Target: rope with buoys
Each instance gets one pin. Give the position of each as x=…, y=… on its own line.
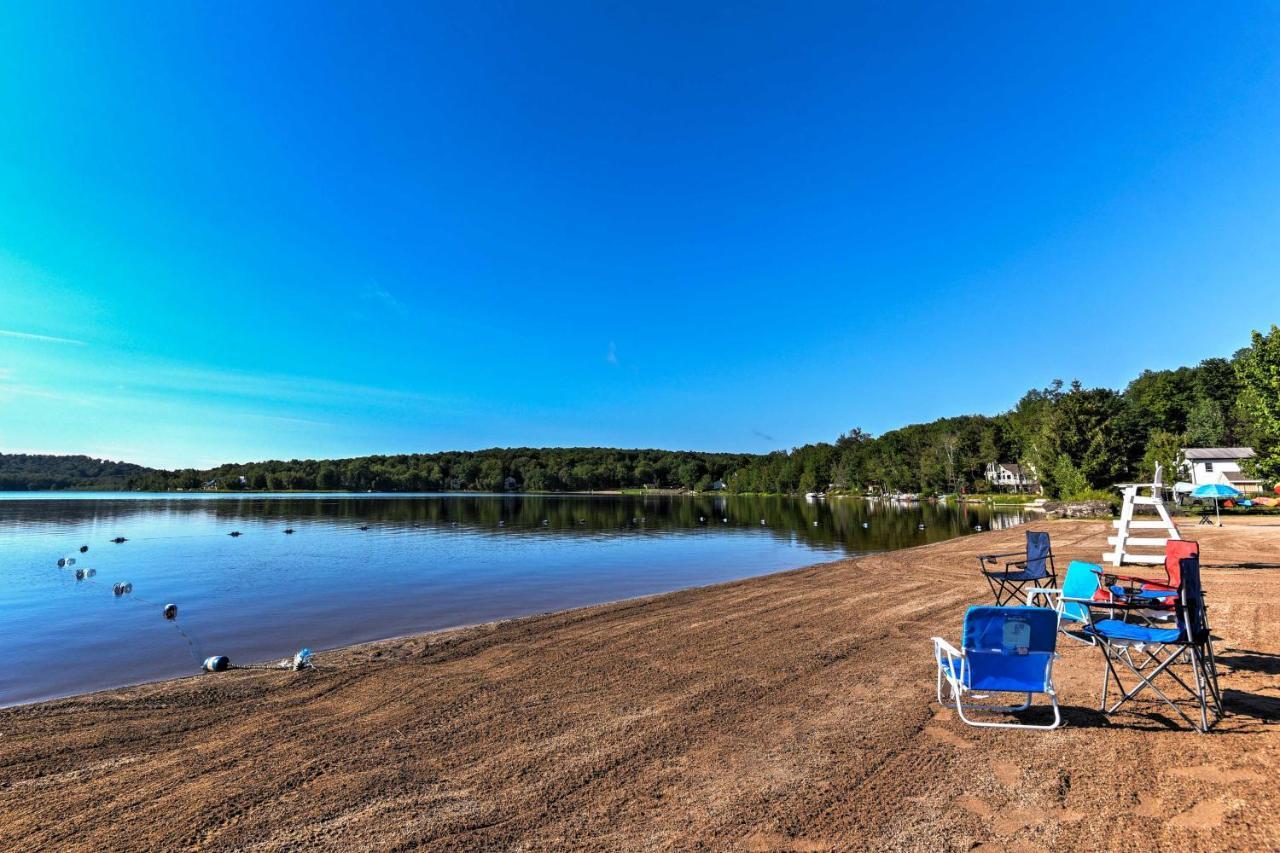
x=212, y=663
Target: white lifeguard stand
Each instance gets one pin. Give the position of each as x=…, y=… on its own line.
x=1123, y=541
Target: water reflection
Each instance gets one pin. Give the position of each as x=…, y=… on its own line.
x=851, y=525
x=364, y=567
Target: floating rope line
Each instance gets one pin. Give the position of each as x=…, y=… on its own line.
x=215, y=663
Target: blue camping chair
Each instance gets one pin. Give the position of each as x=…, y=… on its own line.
x=1035, y=565
x=1081, y=583
x=1146, y=651
x=1002, y=650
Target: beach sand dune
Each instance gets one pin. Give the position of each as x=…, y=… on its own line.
x=788, y=712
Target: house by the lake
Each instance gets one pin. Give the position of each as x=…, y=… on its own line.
x=1202, y=465
x=1012, y=477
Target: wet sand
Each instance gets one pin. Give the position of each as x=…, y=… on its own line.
x=793, y=711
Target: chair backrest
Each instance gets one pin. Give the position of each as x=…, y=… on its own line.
x=1082, y=581
x=1175, y=551
x=1038, y=551
x=1010, y=648
x=1192, y=620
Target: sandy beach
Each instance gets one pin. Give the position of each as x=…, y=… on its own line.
x=787, y=712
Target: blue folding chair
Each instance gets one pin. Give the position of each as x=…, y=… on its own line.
x=1146, y=651
x=1035, y=565
x=1002, y=650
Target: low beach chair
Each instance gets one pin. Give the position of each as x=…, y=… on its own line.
x=1082, y=582
x=1145, y=651
x=1033, y=566
x=1002, y=650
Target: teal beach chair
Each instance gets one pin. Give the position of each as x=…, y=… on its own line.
x=1002, y=650
x=1082, y=582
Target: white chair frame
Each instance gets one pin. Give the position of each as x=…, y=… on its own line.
x=944, y=651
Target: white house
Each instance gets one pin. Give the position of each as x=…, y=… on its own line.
x=1201, y=465
x=1012, y=477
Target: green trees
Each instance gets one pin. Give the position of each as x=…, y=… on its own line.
x=1258, y=369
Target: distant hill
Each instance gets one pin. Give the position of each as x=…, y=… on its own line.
x=29, y=472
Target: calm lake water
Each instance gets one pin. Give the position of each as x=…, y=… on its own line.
x=424, y=562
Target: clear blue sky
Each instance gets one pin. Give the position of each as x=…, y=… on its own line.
x=234, y=231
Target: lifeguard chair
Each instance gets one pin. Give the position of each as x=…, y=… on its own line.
x=1124, y=542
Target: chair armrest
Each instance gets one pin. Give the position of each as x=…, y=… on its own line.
x=1108, y=605
x=941, y=646
x=1133, y=578
x=993, y=557
x=1036, y=592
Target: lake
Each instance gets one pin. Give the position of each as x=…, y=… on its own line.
x=368, y=567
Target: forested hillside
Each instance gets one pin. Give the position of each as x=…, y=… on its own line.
x=1075, y=438
x=23, y=472
x=499, y=469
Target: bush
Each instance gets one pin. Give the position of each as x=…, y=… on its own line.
x=1087, y=494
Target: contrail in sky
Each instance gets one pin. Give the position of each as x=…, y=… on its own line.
x=29, y=336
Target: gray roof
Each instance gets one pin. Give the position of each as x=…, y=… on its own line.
x=1218, y=452
x=1239, y=477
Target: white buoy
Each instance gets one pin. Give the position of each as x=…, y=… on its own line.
x=216, y=663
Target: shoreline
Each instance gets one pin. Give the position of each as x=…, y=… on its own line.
x=792, y=710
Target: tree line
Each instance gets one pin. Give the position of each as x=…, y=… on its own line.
x=568, y=469
x=1076, y=439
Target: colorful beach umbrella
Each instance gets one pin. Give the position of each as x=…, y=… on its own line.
x=1217, y=491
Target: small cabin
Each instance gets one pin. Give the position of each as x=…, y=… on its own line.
x=1204, y=465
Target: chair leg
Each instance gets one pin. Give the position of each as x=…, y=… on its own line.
x=994, y=589
x=1201, y=689
x=1107, y=672
x=1212, y=676
x=1148, y=681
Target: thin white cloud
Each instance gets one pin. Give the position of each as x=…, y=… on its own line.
x=612, y=355
x=14, y=390
x=374, y=292
x=48, y=339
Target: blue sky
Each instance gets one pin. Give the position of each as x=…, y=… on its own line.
x=234, y=231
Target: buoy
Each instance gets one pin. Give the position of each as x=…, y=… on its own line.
x=84, y=548
x=171, y=612
x=122, y=588
x=216, y=663
x=119, y=539
x=81, y=574
x=62, y=562
x=288, y=530
x=234, y=533
x=364, y=527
